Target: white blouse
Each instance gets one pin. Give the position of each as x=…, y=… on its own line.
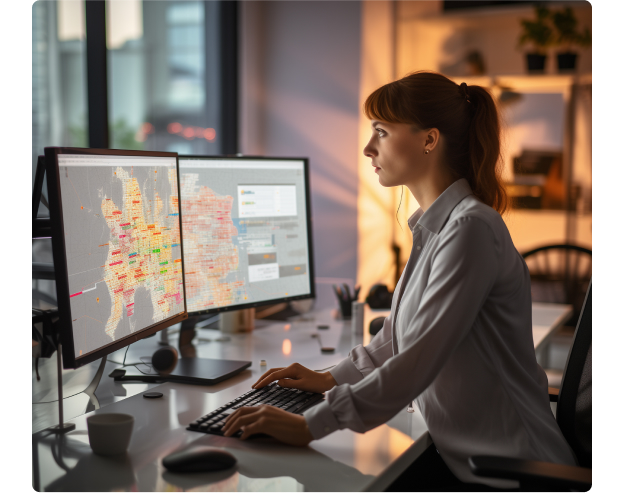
x=459, y=342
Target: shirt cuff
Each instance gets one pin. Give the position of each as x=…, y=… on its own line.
x=321, y=420
x=346, y=372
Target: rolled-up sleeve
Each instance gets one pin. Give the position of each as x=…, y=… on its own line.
x=463, y=271
x=363, y=360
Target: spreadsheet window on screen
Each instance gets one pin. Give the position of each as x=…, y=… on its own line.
x=244, y=230
x=122, y=245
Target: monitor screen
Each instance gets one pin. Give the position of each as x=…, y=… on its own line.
x=117, y=254
x=247, y=233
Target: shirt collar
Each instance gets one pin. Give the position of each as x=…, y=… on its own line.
x=436, y=216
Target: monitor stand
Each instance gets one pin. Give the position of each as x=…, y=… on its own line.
x=187, y=334
x=198, y=371
x=190, y=368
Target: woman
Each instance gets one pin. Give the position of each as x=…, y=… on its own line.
x=458, y=340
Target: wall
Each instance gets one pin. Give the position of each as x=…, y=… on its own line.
x=440, y=41
x=300, y=73
x=433, y=40
x=377, y=226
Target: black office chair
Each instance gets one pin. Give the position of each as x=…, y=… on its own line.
x=574, y=416
x=560, y=274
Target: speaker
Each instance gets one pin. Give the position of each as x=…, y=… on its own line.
x=379, y=297
x=164, y=360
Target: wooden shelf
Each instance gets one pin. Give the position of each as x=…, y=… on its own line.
x=528, y=83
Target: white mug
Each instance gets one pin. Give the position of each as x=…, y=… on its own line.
x=110, y=433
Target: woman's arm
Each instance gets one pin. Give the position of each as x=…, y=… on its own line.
x=463, y=272
x=363, y=360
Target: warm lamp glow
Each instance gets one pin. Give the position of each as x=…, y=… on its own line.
x=286, y=347
x=287, y=327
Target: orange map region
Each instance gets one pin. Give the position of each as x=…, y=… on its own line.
x=209, y=254
x=137, y=257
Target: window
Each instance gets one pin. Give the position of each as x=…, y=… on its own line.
x=163, y=85
x=164, y=79
x=59, y=110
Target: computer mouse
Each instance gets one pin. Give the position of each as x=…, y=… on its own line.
x=199, y=459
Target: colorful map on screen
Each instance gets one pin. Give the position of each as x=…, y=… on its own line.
x=122, y=247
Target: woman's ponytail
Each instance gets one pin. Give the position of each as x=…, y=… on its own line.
x=484, y=173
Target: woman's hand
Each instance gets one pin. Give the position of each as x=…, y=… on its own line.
x=299, y=377
x=286, y=427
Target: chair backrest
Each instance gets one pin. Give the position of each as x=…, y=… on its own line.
x=560, y=274
x=574, y=408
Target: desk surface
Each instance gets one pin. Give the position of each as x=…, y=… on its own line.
x=348, y=461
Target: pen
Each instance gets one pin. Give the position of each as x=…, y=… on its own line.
x=338, y=292
x=347, y=292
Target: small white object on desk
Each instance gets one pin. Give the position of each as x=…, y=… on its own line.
x=357, y=318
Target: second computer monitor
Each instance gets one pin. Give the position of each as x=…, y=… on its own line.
x=246, y=232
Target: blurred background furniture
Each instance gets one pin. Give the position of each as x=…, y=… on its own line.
x=559, y=274
x=574, y=417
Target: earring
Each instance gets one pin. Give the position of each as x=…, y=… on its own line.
x=426, y=151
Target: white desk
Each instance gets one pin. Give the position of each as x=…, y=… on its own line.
x=342, y=461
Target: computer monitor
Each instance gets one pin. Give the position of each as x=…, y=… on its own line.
x=247, y=232
x=116, y=243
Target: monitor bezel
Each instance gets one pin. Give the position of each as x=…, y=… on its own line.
x=65, y=328
x=306, y=174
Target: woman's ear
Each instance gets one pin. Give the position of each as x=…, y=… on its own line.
x=432, y=139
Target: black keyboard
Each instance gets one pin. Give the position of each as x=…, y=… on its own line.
x=291, y=400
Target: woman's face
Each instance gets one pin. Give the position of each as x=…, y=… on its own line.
x=396, y=150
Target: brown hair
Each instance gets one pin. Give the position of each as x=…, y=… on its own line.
x=466, y=116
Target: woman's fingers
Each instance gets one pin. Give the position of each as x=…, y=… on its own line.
x=286, y=427
x=241, y=412
x=237, y=422
x=289, y=372
x=291, y=383
x=266, y=374
x=255, y=427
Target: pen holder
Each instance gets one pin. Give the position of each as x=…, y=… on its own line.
x=345, y=300
x=345, y=308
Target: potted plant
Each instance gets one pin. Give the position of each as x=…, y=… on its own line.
x=539, y=34
x=567, y=36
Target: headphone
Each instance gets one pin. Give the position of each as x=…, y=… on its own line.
x=164, y=360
